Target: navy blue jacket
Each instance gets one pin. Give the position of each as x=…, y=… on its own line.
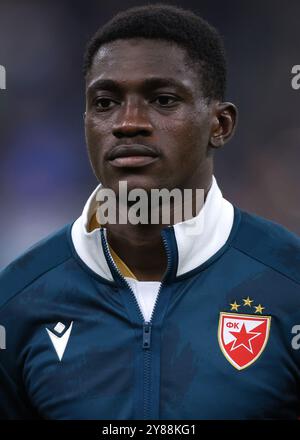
x=221, y=342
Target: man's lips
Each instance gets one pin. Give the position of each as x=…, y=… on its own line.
x=132, y=155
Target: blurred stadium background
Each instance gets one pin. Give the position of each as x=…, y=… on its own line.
x=45, y=176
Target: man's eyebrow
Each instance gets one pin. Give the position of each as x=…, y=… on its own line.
x=146, y=84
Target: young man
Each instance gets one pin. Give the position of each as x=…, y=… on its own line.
x=148, y=321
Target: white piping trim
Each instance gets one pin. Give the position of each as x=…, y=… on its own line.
x=213, y=225
x=88, y=245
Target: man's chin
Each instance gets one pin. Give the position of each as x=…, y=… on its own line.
x=134, y=182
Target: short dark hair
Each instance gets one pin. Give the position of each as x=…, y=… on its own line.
x=202, y=41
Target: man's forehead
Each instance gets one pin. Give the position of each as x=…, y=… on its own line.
x=142, y=84
x=140, y=60
x=146, y=49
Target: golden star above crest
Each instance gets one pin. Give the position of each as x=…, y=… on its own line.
x=248, y=301
x=235, y=306
x=259, y=308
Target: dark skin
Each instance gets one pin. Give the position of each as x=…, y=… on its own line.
x=174, y=118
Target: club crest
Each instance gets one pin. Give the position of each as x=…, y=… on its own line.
x=243, y=337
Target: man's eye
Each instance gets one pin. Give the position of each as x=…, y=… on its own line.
x=165, y=100
x=104, y=103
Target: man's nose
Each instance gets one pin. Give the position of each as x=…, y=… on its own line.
x=132, y=120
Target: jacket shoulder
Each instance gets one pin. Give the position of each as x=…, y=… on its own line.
x=270, y=243
x=34, y=262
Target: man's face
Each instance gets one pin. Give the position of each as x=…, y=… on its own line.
x=147, y=121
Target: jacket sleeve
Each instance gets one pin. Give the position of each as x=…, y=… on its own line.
x=12, y=405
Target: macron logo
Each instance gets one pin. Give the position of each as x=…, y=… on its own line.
x=60, y=342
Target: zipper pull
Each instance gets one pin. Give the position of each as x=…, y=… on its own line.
x=146, y=334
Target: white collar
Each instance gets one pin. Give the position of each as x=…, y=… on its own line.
x=214, y=222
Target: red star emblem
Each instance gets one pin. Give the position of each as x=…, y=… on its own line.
x=244, y=338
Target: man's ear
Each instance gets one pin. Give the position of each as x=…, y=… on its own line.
x=84, y=116
x=225, y=117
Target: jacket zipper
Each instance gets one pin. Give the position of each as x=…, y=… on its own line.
x=147, y=325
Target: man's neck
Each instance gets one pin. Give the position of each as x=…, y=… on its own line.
x=141, y=247
x=142, y=250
